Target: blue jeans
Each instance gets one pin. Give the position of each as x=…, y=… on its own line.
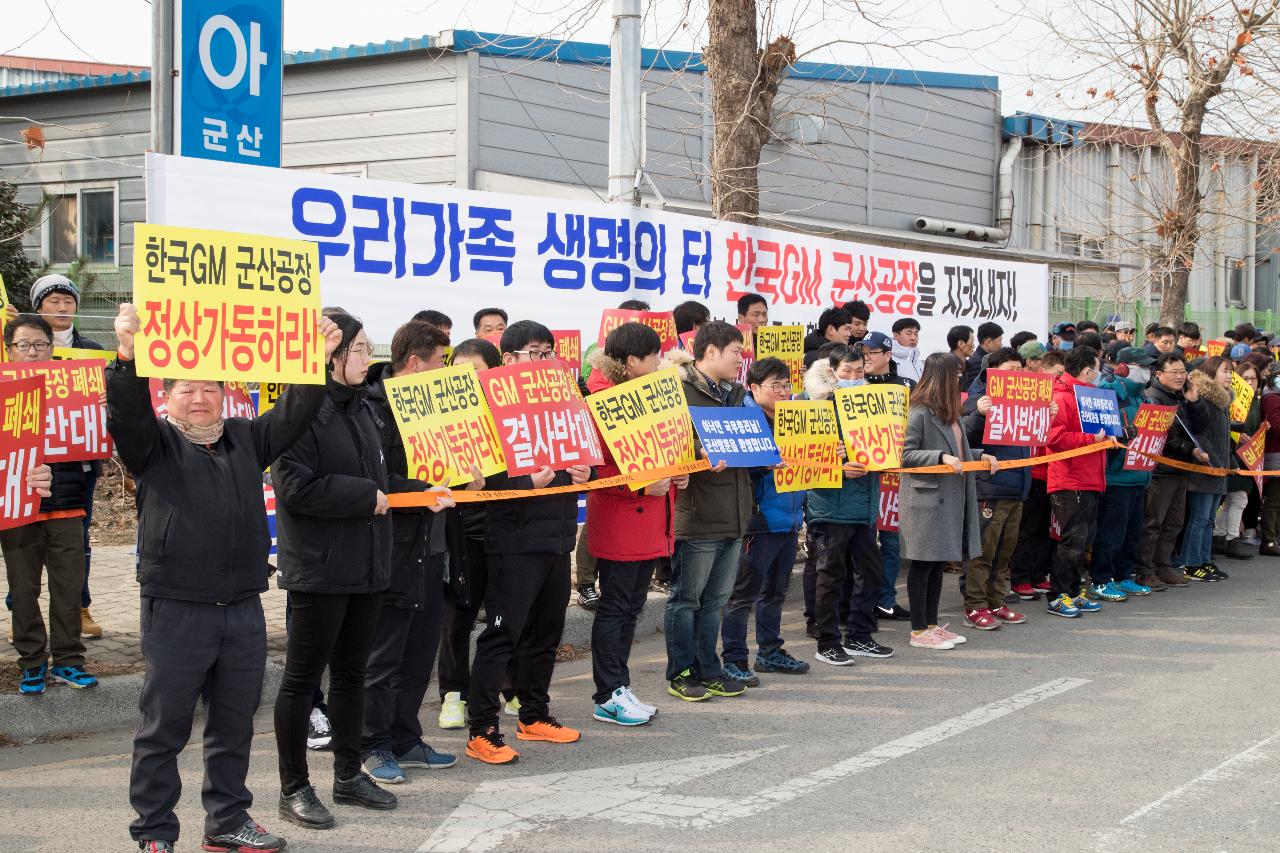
x=763, y=572
x=890, y=559
x=702, y=577
x=1197, y=537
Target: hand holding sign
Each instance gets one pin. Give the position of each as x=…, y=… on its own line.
x=40, y=480
x=126, y=328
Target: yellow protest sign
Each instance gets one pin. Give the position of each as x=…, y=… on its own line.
x=79, y=354
x=874, y=421
x=221, y=305
x=786, y=343
x=809, y=442
x=1243, y=398
x=645, y=422
x=446, y=425
x=268, y=393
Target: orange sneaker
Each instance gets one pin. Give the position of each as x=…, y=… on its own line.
x=549, y=730
x=490, y=748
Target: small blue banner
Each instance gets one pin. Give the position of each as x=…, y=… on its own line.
x=740, y=437
x=1099, y=411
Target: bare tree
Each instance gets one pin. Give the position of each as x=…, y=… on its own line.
x=1187, y=70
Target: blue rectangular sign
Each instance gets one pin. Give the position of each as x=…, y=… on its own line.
x=1099, y=411
x=230, y=59
x=741, y=437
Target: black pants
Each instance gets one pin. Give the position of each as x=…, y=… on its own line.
x=460, y=620
x=399, y=669
x=525, y=605
x=623, y=589
x=849, y=577
x=924, y=591
x=1121, y=515
x=1035, y=547
x=809, y=580
x=196, y=650
x=1077, y=514
x=326, y=630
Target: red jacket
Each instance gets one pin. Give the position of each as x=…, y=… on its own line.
x=1087, y=473
x=626, y=525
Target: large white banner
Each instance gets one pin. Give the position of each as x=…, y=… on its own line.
x=388, y=250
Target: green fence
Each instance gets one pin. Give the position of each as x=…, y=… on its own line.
x=1102, y=311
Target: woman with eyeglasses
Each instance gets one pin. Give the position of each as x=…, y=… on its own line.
x=334, y=556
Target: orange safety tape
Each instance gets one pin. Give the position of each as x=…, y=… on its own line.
x=401, y=500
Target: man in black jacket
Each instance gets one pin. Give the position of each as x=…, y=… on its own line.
x=528, y=543
x=202, y=564
x=408, y=635
x=990, y=338
x=1167, y=494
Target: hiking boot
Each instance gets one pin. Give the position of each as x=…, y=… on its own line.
x=982, y=619
x=361, y=791
x=588, y=598
x=73, y=676
x=1026, y=592
x=89, y=628
x=422, y=755
x=250, y=838
x=724, y=686
x=453, y=711
x=739, y=671
x=547, y=729
x=685, y=686
x=490, y=748
x=780, y=660
x=384, y=767
x=319, y=735
x=33, y=680
x=304, y=808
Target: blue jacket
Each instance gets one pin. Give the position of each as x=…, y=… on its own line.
x=775, y=513
x=1010, y=484
x=1129, y=395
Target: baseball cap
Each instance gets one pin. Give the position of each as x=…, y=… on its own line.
x=1032, y=349
x=1064, y=328
x=1239, y=351
x=877, y=341
x=1135, y=355
x=1125, y=326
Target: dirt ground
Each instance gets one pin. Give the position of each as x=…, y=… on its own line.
x=115, y=518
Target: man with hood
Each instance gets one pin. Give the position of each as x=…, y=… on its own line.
x=1121, y=511
x=906, y=349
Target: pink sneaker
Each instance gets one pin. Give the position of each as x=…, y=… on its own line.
x=982, y=619
x=930, y=639
x=950, y=636
x=1004, y=614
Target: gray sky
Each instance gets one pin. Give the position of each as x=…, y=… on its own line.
x=966, y=36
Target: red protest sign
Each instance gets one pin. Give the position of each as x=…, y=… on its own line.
x=1251, y=451
x=662, y=322
x=1019, y=415
x=237, y=402
x=541, y=418
x=888, y=518
x=1215, y=348
x=569, y=349
x=748, y=351
x=21, y=448
x=1152, y=423
x=75, y=419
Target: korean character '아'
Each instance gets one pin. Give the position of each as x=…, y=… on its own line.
x=249, y=141
x=492, y=245
x=215, y=134
x=306, y=202
x=565, y=272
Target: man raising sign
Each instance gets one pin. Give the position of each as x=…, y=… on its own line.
x=202, y=564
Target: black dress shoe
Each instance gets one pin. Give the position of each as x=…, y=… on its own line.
x=361, y=791
x=897, y=612
x=304, y=808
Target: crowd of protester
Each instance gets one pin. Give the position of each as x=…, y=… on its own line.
x=376, y=594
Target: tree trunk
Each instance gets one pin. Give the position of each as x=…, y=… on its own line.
x=1181, y=225
x=744, y=81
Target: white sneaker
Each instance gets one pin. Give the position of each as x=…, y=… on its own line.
x=930, y=640
x=648, y=710
x=319, y=734
x=949, y=636
x=453, y=712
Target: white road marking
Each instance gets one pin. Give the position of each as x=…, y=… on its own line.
x=496, y=812
x=1125, y=836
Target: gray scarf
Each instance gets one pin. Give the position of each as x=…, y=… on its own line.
x=206, y=435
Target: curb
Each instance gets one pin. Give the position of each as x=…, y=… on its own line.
x=113, y=704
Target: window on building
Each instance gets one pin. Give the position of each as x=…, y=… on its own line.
x=1060, y=290
x=1235, y=280
x=82, y=224
x=1080, y=246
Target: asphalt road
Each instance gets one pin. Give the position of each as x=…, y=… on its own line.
x=1149, y=726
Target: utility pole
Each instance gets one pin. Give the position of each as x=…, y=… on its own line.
x=624, y=103
x=162, y=63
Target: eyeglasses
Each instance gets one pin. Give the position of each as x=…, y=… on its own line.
x=28, y=346
x=1173, y=372
x=362, y=350
x=536, y=355
x=778, y=387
